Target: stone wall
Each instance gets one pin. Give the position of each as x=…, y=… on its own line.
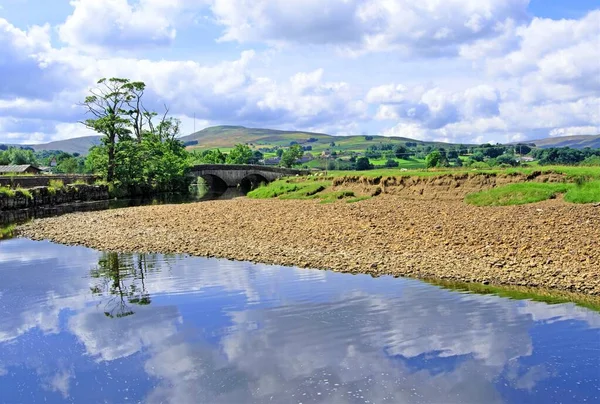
x=42, y=196
x=31, y=181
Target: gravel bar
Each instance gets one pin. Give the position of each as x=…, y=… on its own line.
x=550, y=244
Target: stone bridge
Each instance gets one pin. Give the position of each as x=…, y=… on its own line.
x=245, y=175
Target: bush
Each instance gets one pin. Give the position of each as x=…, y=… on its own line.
x=363, y=163
x=591, y=161
x=391, y=163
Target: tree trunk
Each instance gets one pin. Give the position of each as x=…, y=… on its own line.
x=110, y=172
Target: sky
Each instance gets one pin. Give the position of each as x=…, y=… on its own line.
x=467, y=71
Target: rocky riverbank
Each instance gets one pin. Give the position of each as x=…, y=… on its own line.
x=550, y=244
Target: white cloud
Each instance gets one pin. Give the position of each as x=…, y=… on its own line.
x=427, y=27
x=529, y=77
x=122, y=24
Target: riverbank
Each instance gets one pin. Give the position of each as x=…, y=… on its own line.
x=550, y=244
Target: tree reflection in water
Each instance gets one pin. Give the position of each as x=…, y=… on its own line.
x=122, y=281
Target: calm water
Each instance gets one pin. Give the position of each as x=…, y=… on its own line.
x=78, y=325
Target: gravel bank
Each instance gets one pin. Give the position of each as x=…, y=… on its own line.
x=550, y=244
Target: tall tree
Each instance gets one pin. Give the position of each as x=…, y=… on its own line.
x=109, y=105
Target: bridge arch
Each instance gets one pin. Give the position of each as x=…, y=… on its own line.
x=213, y=181
x=235, y=174
x=253, y=181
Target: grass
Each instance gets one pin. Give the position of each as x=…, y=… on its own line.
x=302, y=188
x=588, y=192
x=11, y=193
x=570, y=172
x=582, y=185
x=517, y=194
x=523, y=293
x=531, y=192
x=7, y=232
x=55, y=186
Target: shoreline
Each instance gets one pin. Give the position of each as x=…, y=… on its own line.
x=551, y=245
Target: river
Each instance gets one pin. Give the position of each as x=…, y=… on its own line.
x=80, y=325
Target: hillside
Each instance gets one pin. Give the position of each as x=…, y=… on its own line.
x=79, y=145
x=227, y=136
x=574, y=142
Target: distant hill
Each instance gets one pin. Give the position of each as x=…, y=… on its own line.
x=228, y=136
x=574, y=142
x=79, y=145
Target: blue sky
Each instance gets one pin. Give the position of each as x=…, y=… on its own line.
x=457, y=70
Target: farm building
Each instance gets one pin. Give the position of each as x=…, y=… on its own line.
x=19, y=169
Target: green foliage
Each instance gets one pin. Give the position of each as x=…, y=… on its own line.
x=137, y=156
x=507, y=159
x=517, y=194
x=11, y=193
x=391, y=163
x=8, y=191
x=363, y=163
x=588, y=192
x=591, y=161
x=290, y=155
x=7, y=232
x=435, y=159
x=240, y=154
x=17, y=156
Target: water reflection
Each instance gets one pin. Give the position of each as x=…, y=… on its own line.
x=198, y=330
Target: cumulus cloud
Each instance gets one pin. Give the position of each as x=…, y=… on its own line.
x=123, y=24
x=530, y=77
x=426, y=27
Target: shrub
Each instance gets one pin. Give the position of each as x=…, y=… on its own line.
x=391, y=163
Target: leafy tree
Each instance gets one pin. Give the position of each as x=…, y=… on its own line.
x=240, y=154
x=522, y=148
x=452, y=154
x=213, y=156
x=478, y=156
x=391, y=163
x=400, y=151
x=458, y=162
x=289, y=156
x=508, y=159
x=138, y=155
x=433, y=159
x=363, y=163
x=17, y=155
x=256, y=157
x=112, y=116
x=69, y=165
x=279, y=152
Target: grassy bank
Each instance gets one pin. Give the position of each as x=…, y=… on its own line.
x=531, y=192
x=304, y=188
x=522, y=293
x=7, y=232
x=580, y=185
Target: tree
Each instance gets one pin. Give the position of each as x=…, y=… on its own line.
x=433, y=159
x=137, y=155
x=391, y=163
x=279, y=153
x=69, y=165
x=363, y=163
x=240, y=154
x=522, y=148
x=507, y=159
x=110, y=107
x=256, y=157
x=291, y=155
x=400, y=151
